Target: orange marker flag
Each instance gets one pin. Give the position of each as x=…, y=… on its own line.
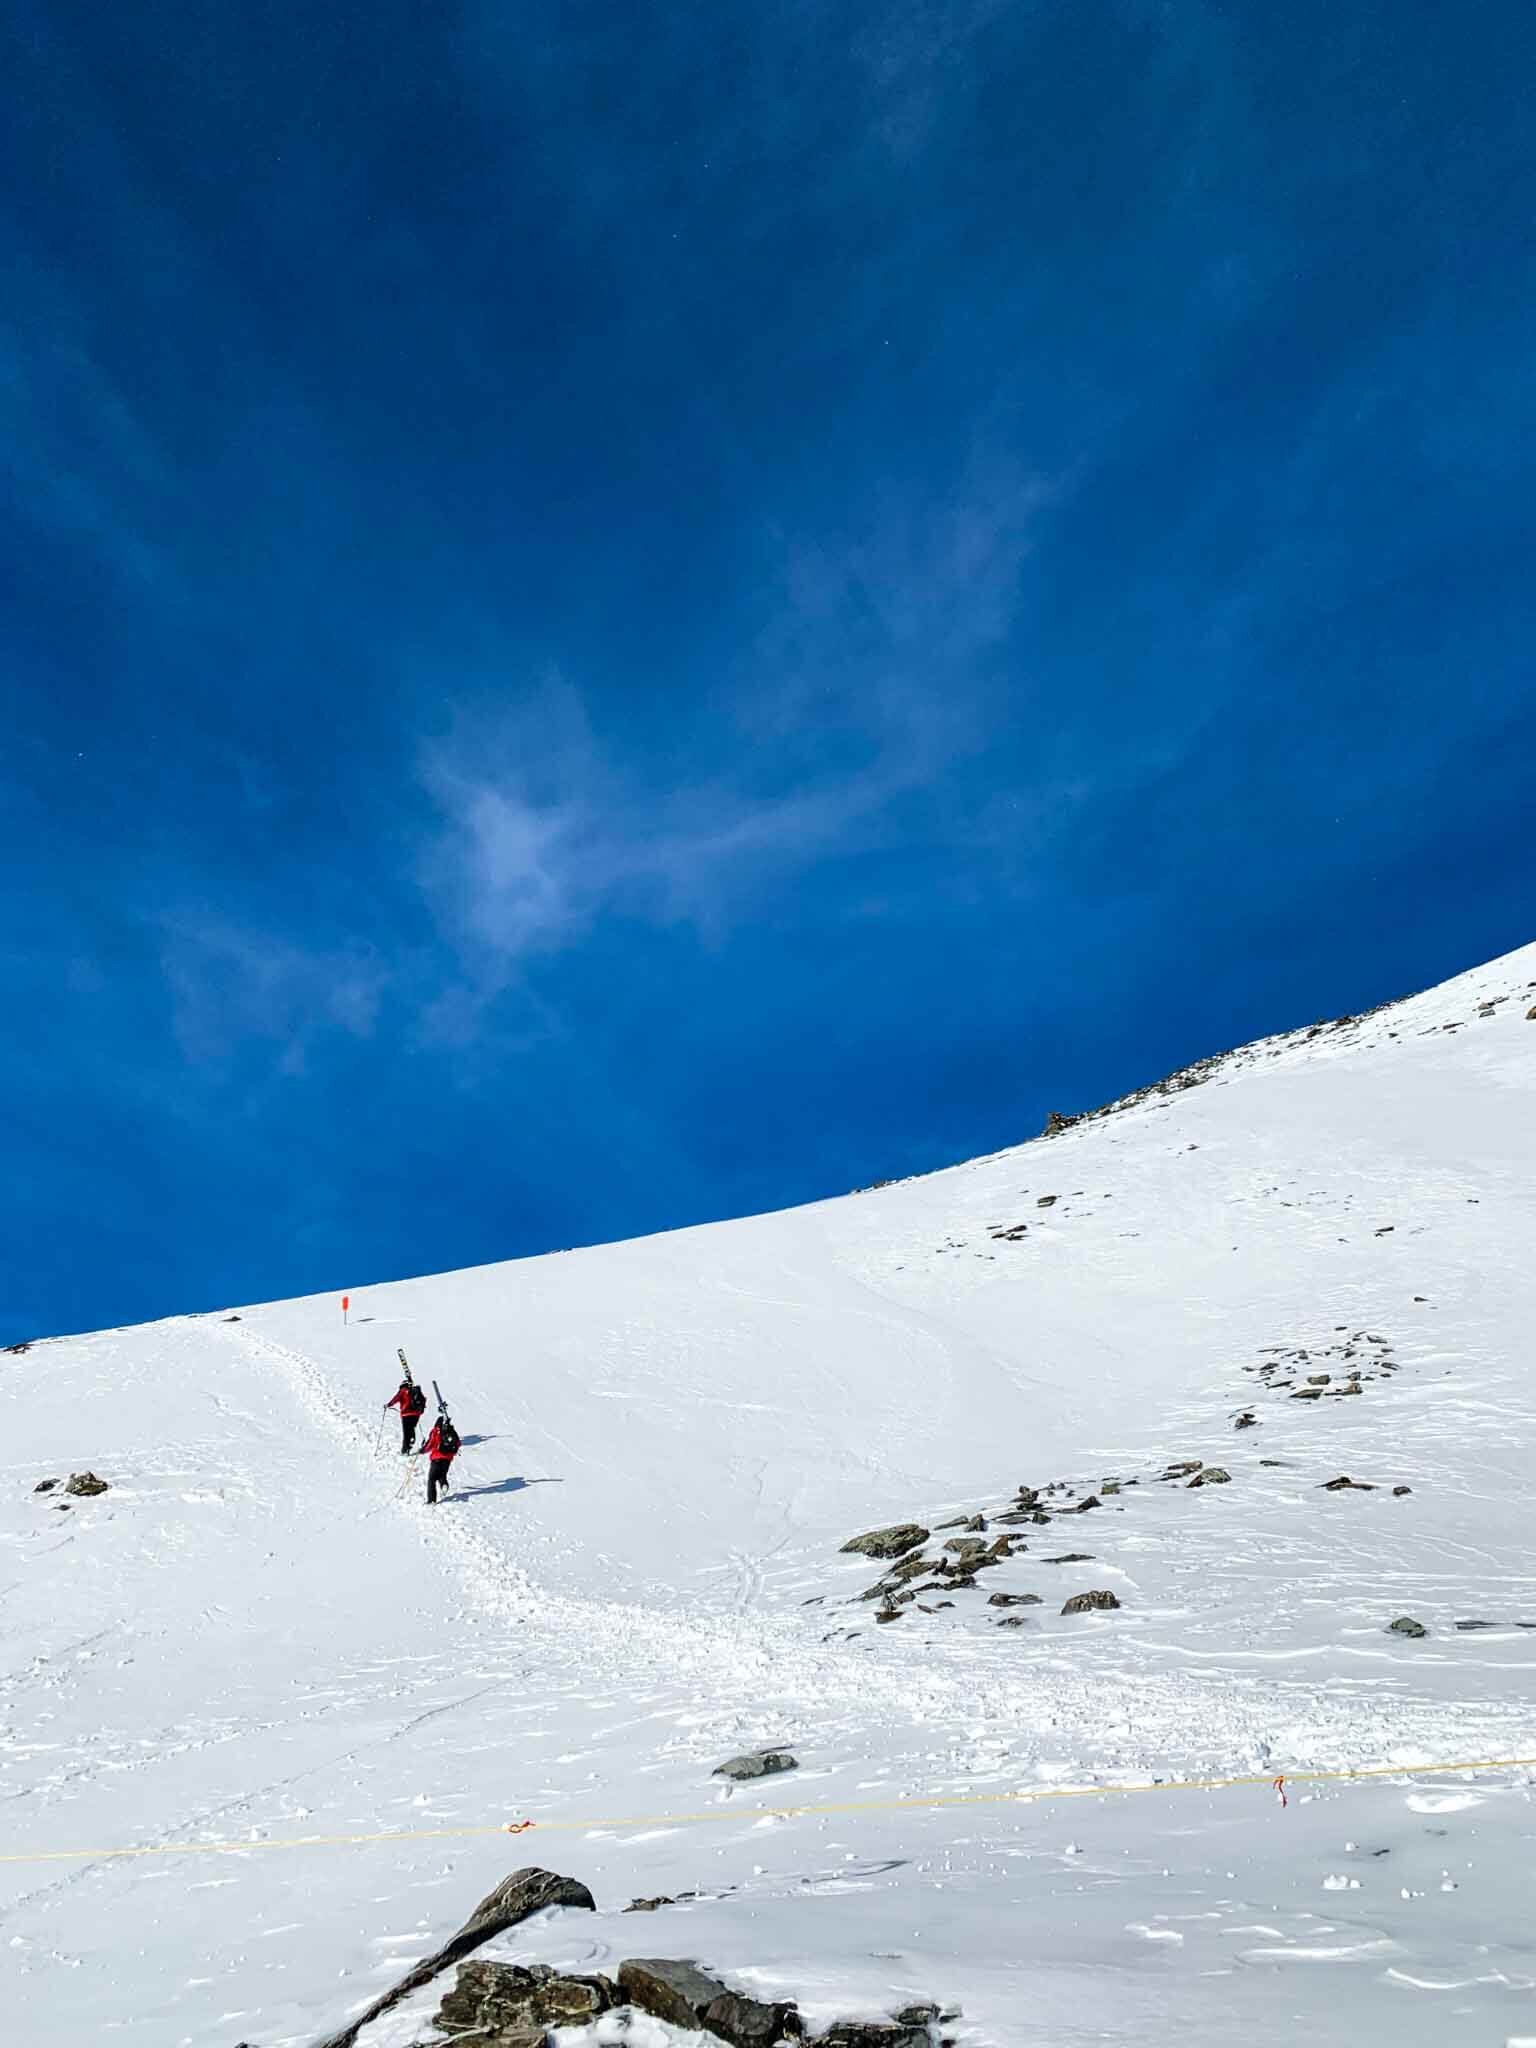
x=346, y=1303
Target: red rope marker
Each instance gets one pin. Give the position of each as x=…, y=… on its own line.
x=517, y=1827
x=1280, y=1789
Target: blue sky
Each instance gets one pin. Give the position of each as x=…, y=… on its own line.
x=616, y=615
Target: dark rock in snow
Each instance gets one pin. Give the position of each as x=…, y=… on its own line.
x=45, y=1486
x=1046, y=1201
x=1344, y=1484
x=1071, y=1557
x=1083, y=1506
x=1399, y=1491
x=1405, y=1625
x=1182, y=1469
x=1307, y=1394
x=648, y=1905
x=1090, y=1603
x=1319, y=1379
x=874, y=2034
x=893, y=1542
x=515, y=1899
x=898, y=1575
x=1467, y=1627
x=1013, y=1599
x=86, y=1484
x=686, y=1996
x=1057, y=1122
x=967, y=1546
x=503, y=2003
x=1247, y=1420
x=758, y=1763
x=1211, y=1475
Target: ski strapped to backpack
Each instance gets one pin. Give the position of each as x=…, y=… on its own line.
x=447, y=1435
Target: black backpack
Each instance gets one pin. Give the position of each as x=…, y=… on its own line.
x=447, y=1438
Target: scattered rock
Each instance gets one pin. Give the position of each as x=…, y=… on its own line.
x=1344, y=1484
x=1247, y=1420
x=976, y=1524
x=648, y=1905
x=1015, y=1516
x=1013, y=1600
x=1183, y=1469
x=898, y=1575
x=85, y=1484
x=45, y=1486
x=1530, y=1018
x=758, y=1763
x=893, y=1542
x=1307, y=1394
x=1467, y=1627
x=1046, y=1201
x=1319, y=1379
x=1405, y=1625
x=1083, y=1506
x=1057, y=1122
x=1399, y=1491
x=1386, y=1229
x=1072, y=1557
x=233, y=1319
x=890, y=1612
x=967, y=1547
x=1274, y=1461
x=1090, y=1603
x=18, y=1350
x=1211, y=1475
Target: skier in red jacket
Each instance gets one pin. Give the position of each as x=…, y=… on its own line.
x=412, y=1403
x=442, y=1447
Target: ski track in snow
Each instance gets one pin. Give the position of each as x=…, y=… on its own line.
x=250, y=1638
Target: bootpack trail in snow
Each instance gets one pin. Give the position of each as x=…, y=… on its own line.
x=1255, y=1341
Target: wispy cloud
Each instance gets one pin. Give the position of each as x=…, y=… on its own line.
x=231, y=985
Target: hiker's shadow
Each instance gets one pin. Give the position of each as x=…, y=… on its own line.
x=517, y=1485
x=470, y=1441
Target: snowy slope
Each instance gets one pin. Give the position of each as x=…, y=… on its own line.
x=250, y=1639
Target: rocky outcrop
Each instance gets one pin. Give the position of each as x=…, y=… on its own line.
x=1211, y=1475
x=682, y=1994
x=758, y=1763
x=1090, y=1603
x=893, y=1542
x=86, y=1484
x=499, y=2004
x=1405, y=1625
x=515, y=1899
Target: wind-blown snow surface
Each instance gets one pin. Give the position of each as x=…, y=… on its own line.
x=249, y=1639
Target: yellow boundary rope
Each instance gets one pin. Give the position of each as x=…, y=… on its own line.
x=1023, y=1796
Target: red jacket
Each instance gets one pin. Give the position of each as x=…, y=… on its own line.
x=410, y=1400
x=433, y=1447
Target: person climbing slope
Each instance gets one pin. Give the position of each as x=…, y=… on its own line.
x=442, y=1447
x=412, y=1403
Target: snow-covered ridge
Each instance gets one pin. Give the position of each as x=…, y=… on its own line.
x=669, y=1441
